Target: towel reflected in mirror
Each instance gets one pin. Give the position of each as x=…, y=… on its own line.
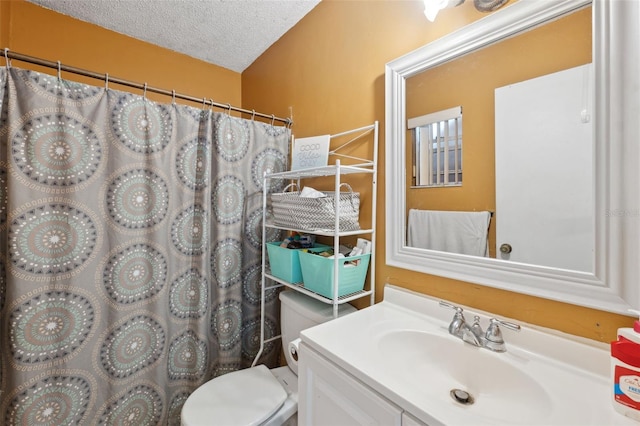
x=450, y=231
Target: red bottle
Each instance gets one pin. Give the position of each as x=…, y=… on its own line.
x=625, y=370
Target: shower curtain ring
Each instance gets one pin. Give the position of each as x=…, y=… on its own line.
x=144, y=93
x=273, y=119
x=7, y=61
x=229, y=110
x=253, y=114
x=204, y=103
x=106, y=81
x=59, y=71
x=173, y=97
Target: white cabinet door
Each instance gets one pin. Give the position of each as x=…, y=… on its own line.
x=329, y=396
x=409, y=420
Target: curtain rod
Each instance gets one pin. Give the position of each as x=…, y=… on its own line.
x=8, y=54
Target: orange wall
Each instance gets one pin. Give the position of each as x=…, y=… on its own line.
x=328, y=71
x=36, y=31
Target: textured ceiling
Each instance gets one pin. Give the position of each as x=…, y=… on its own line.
x=228, y=33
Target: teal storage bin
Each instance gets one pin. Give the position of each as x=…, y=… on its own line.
x=317, y=273
x=285, y=263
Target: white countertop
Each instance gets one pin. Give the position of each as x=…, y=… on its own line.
x=575, y=372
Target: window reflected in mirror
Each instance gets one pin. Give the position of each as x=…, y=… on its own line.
x=437, y=148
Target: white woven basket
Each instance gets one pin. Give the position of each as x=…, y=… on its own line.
x=293, y=211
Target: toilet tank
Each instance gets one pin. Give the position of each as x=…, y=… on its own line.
x=299, y=312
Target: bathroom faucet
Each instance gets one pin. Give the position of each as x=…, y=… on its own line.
x=491, y=339
x=473, y=334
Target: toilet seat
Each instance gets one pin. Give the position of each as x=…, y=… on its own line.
x=244, y=397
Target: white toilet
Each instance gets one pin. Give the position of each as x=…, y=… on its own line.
x=257, y=395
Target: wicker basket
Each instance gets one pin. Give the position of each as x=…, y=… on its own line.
x=293, y=211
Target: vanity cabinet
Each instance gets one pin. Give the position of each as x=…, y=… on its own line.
x=330, y=396
x=395, y=363
x=409, y=420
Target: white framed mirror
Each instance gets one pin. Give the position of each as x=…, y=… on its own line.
x=610, y=282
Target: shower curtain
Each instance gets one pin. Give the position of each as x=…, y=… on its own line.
x=131, y=264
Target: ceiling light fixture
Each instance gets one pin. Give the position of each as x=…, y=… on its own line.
x=432, y=7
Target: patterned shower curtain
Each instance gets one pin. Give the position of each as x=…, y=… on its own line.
x=130, y=269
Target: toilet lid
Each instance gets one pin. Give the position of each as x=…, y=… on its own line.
x=244, y=397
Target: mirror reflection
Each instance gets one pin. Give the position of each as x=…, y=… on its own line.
x=527, y=194
x=437, y=148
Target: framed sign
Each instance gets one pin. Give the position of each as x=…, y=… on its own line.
x=310, y=152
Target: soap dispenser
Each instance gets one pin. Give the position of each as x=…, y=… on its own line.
x=625, y=370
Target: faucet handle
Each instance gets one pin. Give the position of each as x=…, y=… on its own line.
x=458, y=309
x=458, y=320
x=509, y=325
x=493, y=336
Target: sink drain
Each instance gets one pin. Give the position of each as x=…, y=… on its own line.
x=462, y=397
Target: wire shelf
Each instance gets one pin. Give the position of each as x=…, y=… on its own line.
x=331, y=170
x=301, y=288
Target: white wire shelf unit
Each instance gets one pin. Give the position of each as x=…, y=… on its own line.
x=356, y=165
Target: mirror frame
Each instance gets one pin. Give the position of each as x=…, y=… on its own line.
x=613, y=285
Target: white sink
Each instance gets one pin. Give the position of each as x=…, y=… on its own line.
x=440, y=364
x=401, y=348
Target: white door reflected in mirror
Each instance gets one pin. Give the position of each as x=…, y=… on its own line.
x=544, y=170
